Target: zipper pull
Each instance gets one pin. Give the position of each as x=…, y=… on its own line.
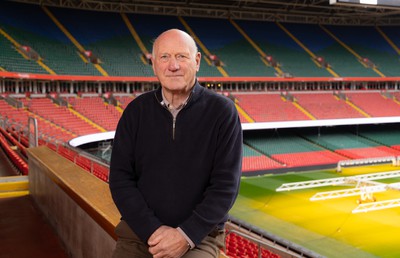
x=173, y=128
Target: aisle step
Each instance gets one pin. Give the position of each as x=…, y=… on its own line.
x=12, y=186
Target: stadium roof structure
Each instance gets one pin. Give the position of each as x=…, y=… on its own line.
x=298, y=11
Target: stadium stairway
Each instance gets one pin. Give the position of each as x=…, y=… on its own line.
x=244, y=117
x=388, y=39
x=255, y=46
x=303, y=110
x=39, y=68
x=202, y=46
x=375, y=104
x=349, y=49
x=308, y=51
x=136, y=36
x=371, y=46
x=24, y=232
x=12, y=186
x=351, y=104
x=87, y=120
x=71, y=38
x=326, y=105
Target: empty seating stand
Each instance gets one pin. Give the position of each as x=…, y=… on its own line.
x=97, y=111
x=239, y=247
x=256, y=161
x=265, y=107
x=374, y=104
x=60, y=116
x=291, y=150
x=324, y=105
x=47, y=129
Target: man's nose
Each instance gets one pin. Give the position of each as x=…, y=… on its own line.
x=173, y=64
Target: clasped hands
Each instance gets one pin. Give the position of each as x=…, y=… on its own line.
x=167, y=242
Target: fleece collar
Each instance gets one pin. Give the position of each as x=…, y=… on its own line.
x=197, y=90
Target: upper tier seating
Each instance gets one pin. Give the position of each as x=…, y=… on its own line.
x=11, y=60
x=29, y=25
x=367, y=42
x=274, y=41
x=224, y=40
x=107, y=35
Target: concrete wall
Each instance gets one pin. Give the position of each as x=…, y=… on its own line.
x=77, y=204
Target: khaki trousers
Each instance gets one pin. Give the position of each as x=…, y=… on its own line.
x=130, y=246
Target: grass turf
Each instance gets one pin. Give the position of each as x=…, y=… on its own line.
x=327, y=227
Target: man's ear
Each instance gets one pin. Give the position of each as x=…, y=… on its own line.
x=198, y=59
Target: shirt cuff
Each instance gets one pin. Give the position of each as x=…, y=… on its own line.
x=190, y=242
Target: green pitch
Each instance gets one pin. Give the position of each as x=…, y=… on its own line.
x=326, y=227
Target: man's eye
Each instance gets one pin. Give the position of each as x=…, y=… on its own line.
x=164, y=58
x=180, y=57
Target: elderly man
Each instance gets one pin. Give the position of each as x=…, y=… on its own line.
x=176, y=161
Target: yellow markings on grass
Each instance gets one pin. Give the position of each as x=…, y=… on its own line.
x=359, y=170
x=326, y=227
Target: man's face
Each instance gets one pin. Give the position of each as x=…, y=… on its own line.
x=175, y=61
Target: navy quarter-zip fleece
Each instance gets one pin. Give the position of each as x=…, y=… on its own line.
x=188, y=178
